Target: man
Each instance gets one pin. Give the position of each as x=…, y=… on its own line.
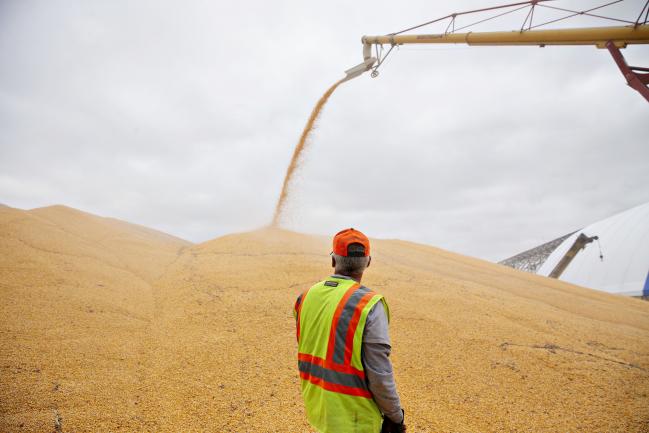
x=344, y=348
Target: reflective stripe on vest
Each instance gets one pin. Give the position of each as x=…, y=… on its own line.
x=336, y=373
x=345, y=324
x=296, y=311
x=317, y=371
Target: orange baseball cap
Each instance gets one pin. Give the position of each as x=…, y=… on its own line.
x=345, y=238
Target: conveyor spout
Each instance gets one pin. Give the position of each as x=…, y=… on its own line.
x=359, y=69
x=368, y=62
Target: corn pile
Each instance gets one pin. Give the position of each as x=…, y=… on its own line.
x=108, y=326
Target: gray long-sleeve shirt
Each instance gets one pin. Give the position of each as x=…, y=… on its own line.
x=375, y=356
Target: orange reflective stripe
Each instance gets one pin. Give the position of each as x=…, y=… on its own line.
x=334, y=324
x=345, y=322
x=335, y=387
x=319, y=372
x=353, y=324
x=330, y=365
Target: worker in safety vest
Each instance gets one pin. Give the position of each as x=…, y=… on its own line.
x=344, y=348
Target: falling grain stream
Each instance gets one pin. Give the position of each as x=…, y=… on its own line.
x=297, y=152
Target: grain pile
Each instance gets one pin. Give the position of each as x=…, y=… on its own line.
x=205, y=340
x=76, y=301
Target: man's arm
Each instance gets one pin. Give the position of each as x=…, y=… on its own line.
x=375, y=355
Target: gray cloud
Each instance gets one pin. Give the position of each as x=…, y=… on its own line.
x=183, y=116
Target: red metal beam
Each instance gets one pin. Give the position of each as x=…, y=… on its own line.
x=633, y=75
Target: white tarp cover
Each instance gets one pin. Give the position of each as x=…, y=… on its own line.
x=624, y=239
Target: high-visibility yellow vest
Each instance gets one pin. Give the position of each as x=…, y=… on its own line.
x=330, y=321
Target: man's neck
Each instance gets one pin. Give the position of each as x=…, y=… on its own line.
x=355, y=277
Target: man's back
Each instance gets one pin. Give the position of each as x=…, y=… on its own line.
x=331, y=318
x=344, y=347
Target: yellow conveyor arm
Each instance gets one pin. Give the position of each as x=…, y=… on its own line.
x=612, y=38
x=598, y=36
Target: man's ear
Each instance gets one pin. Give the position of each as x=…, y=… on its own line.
x=369, y=260
x=333, y=262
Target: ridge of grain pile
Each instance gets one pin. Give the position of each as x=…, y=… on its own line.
x=202, y=337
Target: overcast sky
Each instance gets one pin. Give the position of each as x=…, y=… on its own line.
x=182, y=116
